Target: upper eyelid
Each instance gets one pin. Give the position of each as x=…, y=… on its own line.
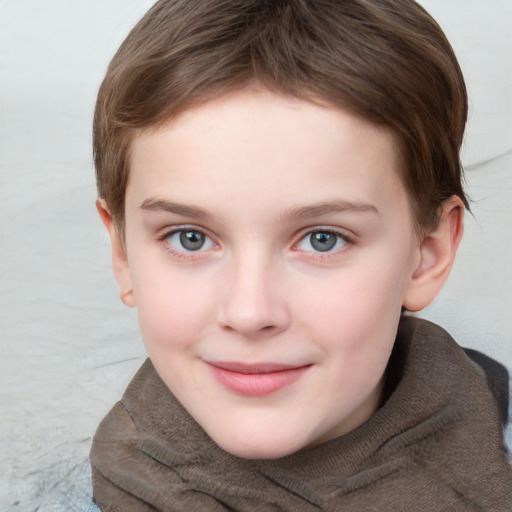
x=185, y=255
x=171, y=230
x=166, y=233
x=349, y=239
x=343, y=233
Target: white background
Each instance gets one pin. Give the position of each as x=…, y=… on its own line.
x=68, y=346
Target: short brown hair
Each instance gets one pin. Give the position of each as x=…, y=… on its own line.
x=385, y=60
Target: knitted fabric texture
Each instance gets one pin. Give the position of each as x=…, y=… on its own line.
x=435, y=444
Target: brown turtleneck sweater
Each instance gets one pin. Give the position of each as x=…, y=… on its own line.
x=435, y=445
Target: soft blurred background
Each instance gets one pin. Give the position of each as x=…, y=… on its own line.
x=68, y=347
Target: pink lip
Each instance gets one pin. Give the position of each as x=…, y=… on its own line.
x=256, y=379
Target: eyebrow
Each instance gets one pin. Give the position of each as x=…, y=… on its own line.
x=154, y=205
x=297, y=212
x=317, y=210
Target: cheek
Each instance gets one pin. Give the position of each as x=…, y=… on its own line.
x=355, y=314
x=173, y=307
x=353, y=297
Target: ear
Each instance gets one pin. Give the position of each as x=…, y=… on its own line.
x=119, y=259
x=437, y=251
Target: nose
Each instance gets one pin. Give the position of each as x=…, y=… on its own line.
x=254, y=301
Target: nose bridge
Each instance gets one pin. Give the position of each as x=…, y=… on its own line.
x=252, y=302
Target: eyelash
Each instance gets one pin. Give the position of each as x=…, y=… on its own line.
x=185, y=255
x=320, y=256
x=190, y=255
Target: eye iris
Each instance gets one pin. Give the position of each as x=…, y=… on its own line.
x=322, y=241
x=192, y=240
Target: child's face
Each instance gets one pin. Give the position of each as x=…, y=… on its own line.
x=269, y=247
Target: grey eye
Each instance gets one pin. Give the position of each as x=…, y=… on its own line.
x=192, y=240
x=321, y=241
x=189, y=240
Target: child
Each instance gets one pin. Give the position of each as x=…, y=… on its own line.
x=281, y=183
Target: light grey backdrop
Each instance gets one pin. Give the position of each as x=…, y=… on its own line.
x=68, y=346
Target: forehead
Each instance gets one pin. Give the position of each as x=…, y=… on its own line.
x=256, y=149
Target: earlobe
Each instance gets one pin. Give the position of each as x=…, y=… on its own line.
x=120, y=263
x=437, y=254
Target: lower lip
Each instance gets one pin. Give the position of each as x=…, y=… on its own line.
x=257, y=384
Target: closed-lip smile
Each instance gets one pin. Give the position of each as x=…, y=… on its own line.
x=256, y=379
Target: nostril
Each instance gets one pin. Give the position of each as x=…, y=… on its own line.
x=251, y=311
x=265, y=329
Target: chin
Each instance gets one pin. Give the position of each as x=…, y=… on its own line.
x=258, y=452
x=260, y=448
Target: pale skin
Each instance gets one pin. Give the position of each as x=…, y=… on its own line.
x=263, y=229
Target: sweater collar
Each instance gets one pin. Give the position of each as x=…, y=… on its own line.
x=436, y=401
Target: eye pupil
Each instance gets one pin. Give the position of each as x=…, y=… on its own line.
x=192, y=240
x=322, y=241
